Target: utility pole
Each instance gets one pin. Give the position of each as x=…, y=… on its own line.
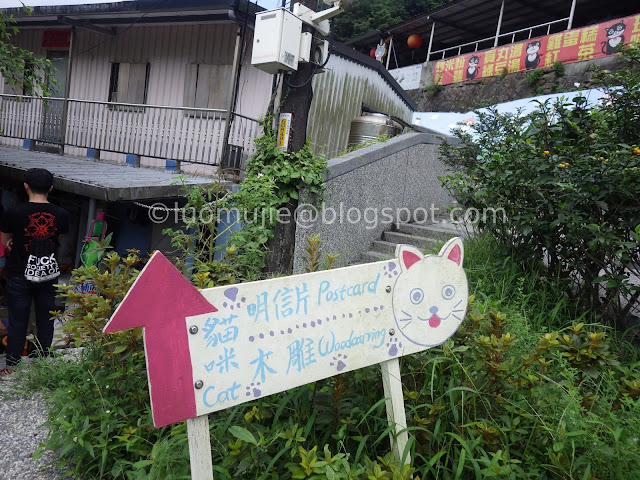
x=296, y=101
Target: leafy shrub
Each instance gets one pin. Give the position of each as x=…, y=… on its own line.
x=482, y=409
x=567, y=177
x=435, y=88
x=273, y=180
x=502, y=398
x=558, y=68
x=534, y=77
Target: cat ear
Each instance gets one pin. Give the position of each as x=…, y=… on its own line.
x=408, y=255
x=453, y=250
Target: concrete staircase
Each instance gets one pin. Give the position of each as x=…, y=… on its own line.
x=424, y=235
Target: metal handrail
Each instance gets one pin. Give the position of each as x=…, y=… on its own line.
x=119, y=104
x=492, y=38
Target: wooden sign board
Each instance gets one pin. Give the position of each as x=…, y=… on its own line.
x=269, y=336
x=274, y=335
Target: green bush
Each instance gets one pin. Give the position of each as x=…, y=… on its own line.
x=505, y=397
x=482, y=406
x=558, y=68
x=567, y=178
x=273, y=180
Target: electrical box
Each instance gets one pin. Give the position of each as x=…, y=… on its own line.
x=306, y=42
x=321, y=51
x=276, y=41
x=313, y=49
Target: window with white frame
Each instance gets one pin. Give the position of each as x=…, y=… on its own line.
x=129, y=83
x=208, y=85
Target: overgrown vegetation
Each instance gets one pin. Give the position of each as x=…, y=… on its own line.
x=272, y=179
x=558, y=68
x=533, y=80
x=567, y=177
x=514, y=394
x=21, y=68
x=434, y=89
x=357, y=146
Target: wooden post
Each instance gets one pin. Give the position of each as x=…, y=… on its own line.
x=297, y=101
x=395, y=408
x=200, y=448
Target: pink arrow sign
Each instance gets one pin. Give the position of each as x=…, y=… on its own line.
x=159, y=300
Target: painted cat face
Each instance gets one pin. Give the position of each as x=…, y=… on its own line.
x=474, y=61
x=431, y=294
x=533, y=47
x=615, y=30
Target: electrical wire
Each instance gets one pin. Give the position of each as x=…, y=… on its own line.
x=306, y=82
x=317, y=66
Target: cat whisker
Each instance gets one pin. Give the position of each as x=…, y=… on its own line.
x=459, y=302
x=405, y=325
x=408, y=319
x=456, y=316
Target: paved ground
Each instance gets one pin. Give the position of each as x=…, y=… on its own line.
x=21, y=434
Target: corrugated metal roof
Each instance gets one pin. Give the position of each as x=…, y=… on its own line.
x=140, y=12
x=100, y=180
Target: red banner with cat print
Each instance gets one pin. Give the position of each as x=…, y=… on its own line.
x=576, y=45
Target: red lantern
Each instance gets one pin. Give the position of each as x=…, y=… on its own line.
x=372, y=53
x=414, y=41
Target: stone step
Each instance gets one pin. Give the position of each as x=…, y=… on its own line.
x=388, y=248
x=440, y=231
x=371, y=256
x=415, y=240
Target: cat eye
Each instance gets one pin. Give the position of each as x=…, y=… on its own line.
x=448, y=292
x=416, y=295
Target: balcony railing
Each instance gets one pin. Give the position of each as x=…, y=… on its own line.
x=511, y=37
x=194, y=135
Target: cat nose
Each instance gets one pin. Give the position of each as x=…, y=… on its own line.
x=434, y=310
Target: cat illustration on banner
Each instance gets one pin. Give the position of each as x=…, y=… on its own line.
x=615, y=38
x=472, y=68
x=533, y=57
x=430, y=295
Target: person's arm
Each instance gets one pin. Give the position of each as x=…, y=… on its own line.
x=7, y=229
x=7, y=240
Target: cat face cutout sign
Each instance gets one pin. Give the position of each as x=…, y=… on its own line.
x=264, y=337
x=430, y=295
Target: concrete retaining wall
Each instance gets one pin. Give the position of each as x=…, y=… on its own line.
x=371, y=188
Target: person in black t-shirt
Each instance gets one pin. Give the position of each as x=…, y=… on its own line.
x=30, y=231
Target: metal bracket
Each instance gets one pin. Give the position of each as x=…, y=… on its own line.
x=319, y=20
